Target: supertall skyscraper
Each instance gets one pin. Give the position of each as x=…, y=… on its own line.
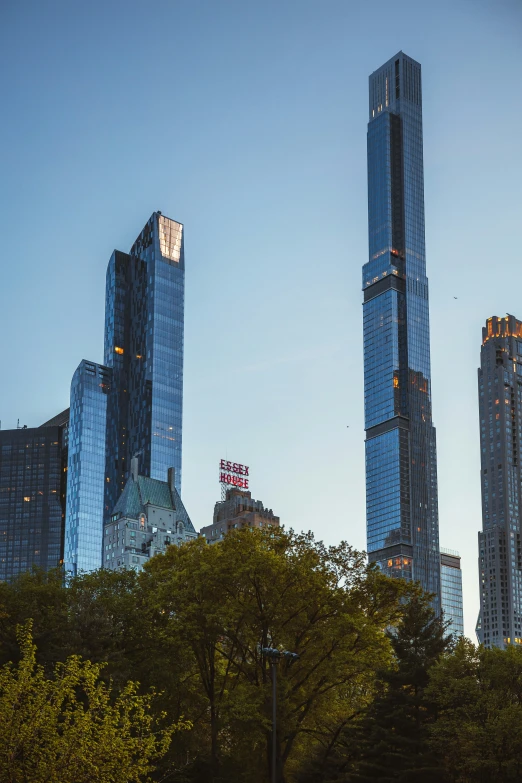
x=132, y=405
x=500, y=546
x=401, y=473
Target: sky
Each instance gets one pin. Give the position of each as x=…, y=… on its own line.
x=246, y=121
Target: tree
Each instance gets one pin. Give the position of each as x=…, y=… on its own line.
x=68, y=729
x=192, y=626
x=400, y=717
x=108, y=618
x=478, y=733
x=42, y=597
x=389, y=741
x=260, y=588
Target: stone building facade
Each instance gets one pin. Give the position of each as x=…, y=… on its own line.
x=148, y=517
x=238, y=510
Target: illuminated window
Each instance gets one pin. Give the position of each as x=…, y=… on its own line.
x=27, y=499
x=170, y=234
x=117, y=349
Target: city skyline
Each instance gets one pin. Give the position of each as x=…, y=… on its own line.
x=264, y=158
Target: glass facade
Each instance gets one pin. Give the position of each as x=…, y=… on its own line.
x=500, y=545
x=451, y=590
x=144, y=332
x=86, y=480
x=32, y=484
x=132, y=406
x=401, y=474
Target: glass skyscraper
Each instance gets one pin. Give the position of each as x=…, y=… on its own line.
x=451, y=590
x=33, y=471
x=401, y=473
x=131, y=406
x=86, y=468
x=500, y=545
x=144, y=325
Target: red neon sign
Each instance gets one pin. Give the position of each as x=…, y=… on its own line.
x=232, y=473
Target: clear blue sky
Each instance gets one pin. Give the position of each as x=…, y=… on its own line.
x=246, y=120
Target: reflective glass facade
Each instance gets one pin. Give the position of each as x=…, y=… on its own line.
x=451, y=590
x=144, y=328
x=500, y=544
x=90, y=387
x=131, y=406
x=401, y=476
x=32, y=508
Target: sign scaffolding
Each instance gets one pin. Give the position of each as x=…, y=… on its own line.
x=233, y=474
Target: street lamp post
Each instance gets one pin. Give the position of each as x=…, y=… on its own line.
x=275, y=656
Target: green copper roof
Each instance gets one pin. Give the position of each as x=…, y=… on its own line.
x=129, y=504
x=155, y=492
x=137, y=494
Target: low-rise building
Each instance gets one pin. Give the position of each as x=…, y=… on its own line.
x=148, y=517
x=237, y=510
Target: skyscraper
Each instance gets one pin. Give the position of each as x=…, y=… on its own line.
x=132, y=405
x=451, y=590
x=500, y=546
x=144, y=324
x=33, y=471
x=90, y=388
x=401, y=473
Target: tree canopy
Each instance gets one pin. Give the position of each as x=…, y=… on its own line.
x=378, y=691
x=478, y=733
x=68, y=729
x=259, y=589
x=192, y=626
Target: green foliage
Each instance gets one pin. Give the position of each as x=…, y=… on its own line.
x=361, y=703
x=396, y=729
x=273, y=588
x=478, y=734
x=41, y=597
x=191, y=627
x=69, y=729
x=389, y=741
